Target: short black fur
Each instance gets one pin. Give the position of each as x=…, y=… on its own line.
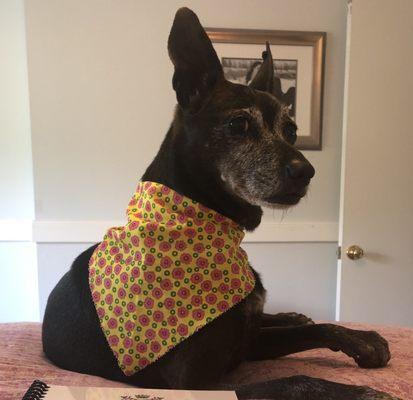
x=229, y=147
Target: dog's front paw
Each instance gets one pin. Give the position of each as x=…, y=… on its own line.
x=292, y=319
x=371, y=394
x=300, y=319
x=367, y=348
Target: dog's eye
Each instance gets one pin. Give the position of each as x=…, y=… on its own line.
x=239, y=125
x=290, y=132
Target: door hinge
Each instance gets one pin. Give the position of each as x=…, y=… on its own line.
x=338, y=252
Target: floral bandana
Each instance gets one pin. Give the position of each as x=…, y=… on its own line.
x=173, y=268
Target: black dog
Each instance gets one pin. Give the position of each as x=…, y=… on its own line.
x=230, y=147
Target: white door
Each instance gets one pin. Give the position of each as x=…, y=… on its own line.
x=377, y=180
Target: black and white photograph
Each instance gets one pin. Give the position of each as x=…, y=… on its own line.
x=243, y=71
x=298, y=62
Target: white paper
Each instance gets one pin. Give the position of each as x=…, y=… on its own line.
x=100, y=393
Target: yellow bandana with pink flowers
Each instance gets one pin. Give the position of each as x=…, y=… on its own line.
x=173, y=268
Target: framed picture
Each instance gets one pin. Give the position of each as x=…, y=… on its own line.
x=298, y=71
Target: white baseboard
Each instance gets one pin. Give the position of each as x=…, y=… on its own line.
x=71, y=231
x=93, y=231
x=294, y=232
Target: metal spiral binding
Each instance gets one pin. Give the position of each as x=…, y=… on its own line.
x=37, y=391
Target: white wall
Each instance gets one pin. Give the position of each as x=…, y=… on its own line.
x=298, y=276
x=18, y=296
x=16, y=188
x=101, y=102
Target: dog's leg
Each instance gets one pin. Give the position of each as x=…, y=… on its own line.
x=367, y=348
x=285, y=319
x=306, y=388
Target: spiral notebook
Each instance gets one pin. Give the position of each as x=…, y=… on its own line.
x=40, y=390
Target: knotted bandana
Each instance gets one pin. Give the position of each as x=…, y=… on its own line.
x=173, y=268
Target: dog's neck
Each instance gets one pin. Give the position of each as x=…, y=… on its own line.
x=167, y=168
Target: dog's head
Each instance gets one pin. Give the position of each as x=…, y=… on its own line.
x=240, y=136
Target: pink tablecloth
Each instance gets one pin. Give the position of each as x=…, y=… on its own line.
x=22, y=361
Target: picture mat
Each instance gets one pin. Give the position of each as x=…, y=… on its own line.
x=304, y=57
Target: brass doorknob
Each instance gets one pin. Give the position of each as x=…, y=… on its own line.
x=354, y=252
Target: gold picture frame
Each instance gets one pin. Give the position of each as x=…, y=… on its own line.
x=312, y=47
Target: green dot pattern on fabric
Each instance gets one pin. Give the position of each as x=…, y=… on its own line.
x=174, y=267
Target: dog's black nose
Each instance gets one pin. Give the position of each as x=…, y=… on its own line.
x=300, y=169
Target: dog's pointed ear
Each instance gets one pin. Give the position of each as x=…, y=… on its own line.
x=264, y=79
x=197, y=67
